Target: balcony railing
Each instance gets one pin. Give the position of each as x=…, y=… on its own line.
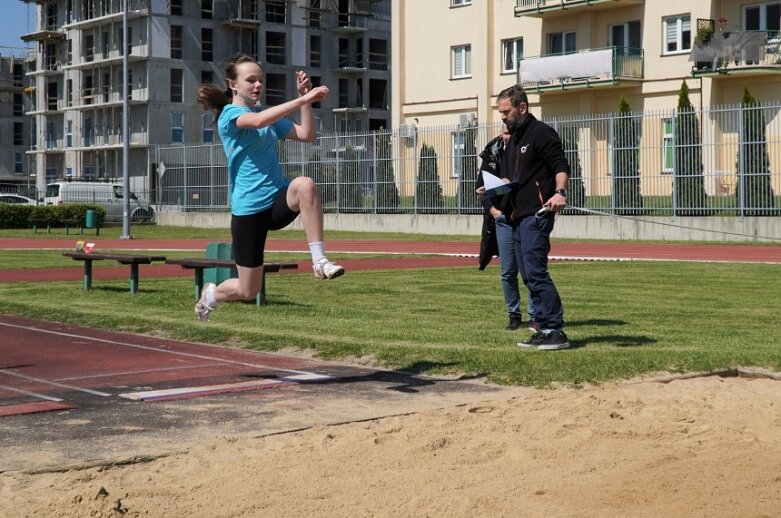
x=737, y=51
x=541, y=7
x=588, y=67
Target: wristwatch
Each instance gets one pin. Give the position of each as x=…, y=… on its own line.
x=562, y=192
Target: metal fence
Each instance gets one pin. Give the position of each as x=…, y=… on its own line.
x=722, y=160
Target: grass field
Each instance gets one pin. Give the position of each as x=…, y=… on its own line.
x=624, y=319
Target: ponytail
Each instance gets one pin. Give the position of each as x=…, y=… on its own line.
x=212, y=97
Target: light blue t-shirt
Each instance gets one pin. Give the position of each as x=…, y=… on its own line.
x=254, y=174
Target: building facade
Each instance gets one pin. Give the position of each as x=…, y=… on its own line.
x=15, y=127
x=173, y=46
x=578, y=57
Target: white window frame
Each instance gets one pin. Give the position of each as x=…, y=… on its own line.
x=762, y=14
x=668, y=144
x=461, y=54
x=207, y=122
x=177, y=125
x=681, y=22
x=458, y=140
x=460, y=3
x=512, y=50
x=565, y=39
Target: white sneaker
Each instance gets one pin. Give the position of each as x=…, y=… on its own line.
x=325, y=269
x=202, y=310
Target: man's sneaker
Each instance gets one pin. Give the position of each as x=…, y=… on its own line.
x=553, y=341
x=533, y=341
x=534, y=326
x=325, y=269
x=514, y=322
x=202, y=309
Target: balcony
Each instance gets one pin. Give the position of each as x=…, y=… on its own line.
x=547, y=8
x=588, y=68
x=113, y=12
x=47, y=34
x=350, y=24
x=738, y=52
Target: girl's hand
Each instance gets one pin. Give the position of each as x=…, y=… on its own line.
x=303, y=83
x=316, y=94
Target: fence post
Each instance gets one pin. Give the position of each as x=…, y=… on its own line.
x=741, y=164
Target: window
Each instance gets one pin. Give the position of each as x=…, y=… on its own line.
x=762, y=17
x=18, y=163
x=69, y=86
x=275, y=11
x=207, y=9
x=51, y=174
x=129, y=85
x=626, y=35
x=378, y=54
x=176, y=7
x=344, y=52
x=52, y=95
x=207, y=44
x=207, y=76
x=176, y=85
x=207, y=127
x=177, y=127
x=69, y=133
x=89, y=47
x=315, y=56
x=677, y=34
x=276, y=86
x=88, y=132
x=106, y=86
x=459, y=145
x=561, y=43
x=461, y=61
x=668, y=150
x=313, y=14
x=378, y=94
x=344, y=93
x=512, y=51
x=104, y=45
x=18, y=133
x=459, y=3
x=275, y=47
x=176, y=42
x=51, y=135
x=18, y=105
x=69, y=56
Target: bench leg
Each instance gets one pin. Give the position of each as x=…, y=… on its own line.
x=87, y=274
x=260, y=298
x=133, y=278
x=198, y=283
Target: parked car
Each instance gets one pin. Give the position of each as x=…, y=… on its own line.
x=108, y=195
x=17, y=199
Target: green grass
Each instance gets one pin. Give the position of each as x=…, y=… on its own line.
x=171, y=232
x=625, y=319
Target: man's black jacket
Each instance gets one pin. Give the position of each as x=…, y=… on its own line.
x=532, y=158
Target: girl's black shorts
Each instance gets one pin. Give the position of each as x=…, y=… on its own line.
x=249, y=232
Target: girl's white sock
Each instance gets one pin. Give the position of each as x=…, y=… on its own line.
x=316, y=249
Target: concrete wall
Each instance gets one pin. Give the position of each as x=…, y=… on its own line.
x=757, y=230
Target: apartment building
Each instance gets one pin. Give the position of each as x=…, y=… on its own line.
x=578, y=57
x=175, y=45
x=15, y=127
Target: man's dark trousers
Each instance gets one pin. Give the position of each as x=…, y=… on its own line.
x=531, y=236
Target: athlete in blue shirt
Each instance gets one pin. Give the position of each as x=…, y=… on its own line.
x=261, y=197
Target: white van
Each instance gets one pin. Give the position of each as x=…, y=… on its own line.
x=103, y=194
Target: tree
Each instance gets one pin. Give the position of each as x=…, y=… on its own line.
x=467, y=201
x=576, y=196
x=626, y=161
x=689, y=181
x=387, y=193
x=352, y=176
x=429, y=191
x=324, y=175
x=754, y=192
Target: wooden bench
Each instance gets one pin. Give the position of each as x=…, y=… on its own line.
x=199, y=264
x=128, y=259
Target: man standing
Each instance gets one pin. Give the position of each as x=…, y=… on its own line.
x=534, y=158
